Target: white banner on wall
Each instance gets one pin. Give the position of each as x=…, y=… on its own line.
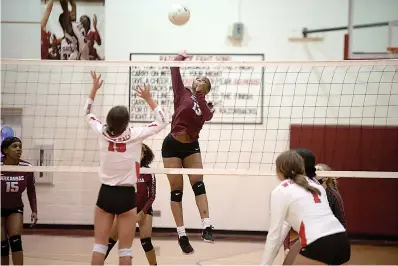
x=237, y=92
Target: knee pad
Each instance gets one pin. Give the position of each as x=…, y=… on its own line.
x=146, y=244
x=15, y=243
x=126, y=252
x=199, y=188
x=5, y=248
x=176, y=195
x=100, y=248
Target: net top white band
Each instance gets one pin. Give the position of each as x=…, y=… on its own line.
x=93, y=63
x=213, y=172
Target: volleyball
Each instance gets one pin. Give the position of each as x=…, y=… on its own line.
x=179, y=15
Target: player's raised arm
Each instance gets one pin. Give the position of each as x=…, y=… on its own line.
x=176, y=80
x=90, y=117
x=161, y=119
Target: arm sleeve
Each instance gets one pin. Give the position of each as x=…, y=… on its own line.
x=337, y=206
x=278, y=210
x=176, y=80
x=161, y=121
x=207, y=112
x=92, y=121
x=152, y=193
x=31, y=191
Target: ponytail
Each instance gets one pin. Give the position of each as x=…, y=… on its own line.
x=302, y=182
x=332, y=183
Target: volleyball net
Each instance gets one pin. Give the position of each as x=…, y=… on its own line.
x=344, y=111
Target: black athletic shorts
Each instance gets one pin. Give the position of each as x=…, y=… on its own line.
x=332, y=250
x=8, y=212
x=116, y=199
x=173, y=148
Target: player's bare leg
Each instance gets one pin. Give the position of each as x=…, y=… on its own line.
x=195, y=161
x=145, y=235
x=176, y=188
x=102, y=228
x=112, y=238
x=291, y=255
x=5, y=248
x=301, y=260
x=14, y=231
x=126, y=230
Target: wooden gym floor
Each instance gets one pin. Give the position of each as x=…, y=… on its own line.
x=56, y=247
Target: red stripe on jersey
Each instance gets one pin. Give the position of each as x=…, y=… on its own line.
x=303, y=238
x=137, y=169
x=152, y=125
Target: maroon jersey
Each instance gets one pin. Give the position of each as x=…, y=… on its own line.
x=190, y=110
x=13, y=184
x=146, y=192
x=92, y=37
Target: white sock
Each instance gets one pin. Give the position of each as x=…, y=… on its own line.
x=206, y=223
x=181, y=231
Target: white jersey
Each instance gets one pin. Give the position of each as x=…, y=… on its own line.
x=75, y=47
x=120, y=156
x=81, y=36
x=69, y=48
x=309, y=215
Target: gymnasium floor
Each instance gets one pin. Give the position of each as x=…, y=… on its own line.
x=63, y=249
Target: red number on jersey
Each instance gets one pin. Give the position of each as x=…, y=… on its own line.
x=120, y=147
x=316, y=198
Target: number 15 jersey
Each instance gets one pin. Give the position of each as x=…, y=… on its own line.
x=120, y=155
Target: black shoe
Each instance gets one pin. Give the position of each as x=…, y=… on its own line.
x=207, y=234
x=185, y=246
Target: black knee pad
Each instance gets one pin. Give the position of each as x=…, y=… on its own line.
x=199, y=188
x=5, y=248
x=15, y=243
x=146, y=244
x=176, y=195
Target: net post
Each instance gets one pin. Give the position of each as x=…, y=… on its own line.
x=350, y=27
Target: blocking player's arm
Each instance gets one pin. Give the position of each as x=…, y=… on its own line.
x=207, y=112
x=161, y=121
x=176, y=80
x=277, y=231
x=151, y=182
x=46, y=15
x=31, y=191
x=73, y=12
x=94, y=123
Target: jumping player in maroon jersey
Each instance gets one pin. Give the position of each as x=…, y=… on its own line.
x=181, y=149
x=12, y=186
x=146, y=193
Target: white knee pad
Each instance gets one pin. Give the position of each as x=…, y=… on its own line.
x=100, y=248
x=126, y=252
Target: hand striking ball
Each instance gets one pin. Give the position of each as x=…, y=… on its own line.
x=179, y=15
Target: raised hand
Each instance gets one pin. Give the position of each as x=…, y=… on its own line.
x=97, y=82
x=143, y=91
x=185, y=55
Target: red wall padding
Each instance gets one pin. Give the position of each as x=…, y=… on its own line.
x=371, y=205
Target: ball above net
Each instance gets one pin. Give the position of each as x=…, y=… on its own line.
x=179, y=15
